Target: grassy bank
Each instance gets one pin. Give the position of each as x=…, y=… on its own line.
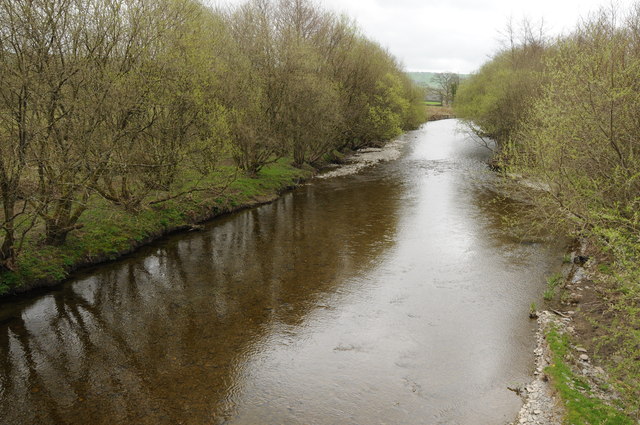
x=108, y=232
x=594, y=356
x=583, y=402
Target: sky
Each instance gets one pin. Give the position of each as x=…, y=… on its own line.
x=454, y=35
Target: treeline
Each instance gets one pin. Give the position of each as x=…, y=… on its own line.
x=565, y=114
x=126, y=100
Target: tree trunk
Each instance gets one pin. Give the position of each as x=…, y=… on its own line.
x=8, y=249
x=58, y=226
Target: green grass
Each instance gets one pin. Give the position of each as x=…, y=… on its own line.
x=432, y=103
x=581, y=406
x=552, y=283
x=109, y=231
x=549, y=294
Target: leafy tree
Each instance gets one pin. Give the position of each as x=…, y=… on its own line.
x=495, y=100
x=447, y=86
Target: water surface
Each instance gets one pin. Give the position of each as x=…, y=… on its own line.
x=394, y=296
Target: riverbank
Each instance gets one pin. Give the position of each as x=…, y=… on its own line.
x=108, y=232
x=437, y=113
x=571, y=383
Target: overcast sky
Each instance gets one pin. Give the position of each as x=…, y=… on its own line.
x=453, y=35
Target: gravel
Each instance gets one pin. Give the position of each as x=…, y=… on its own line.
x=541, y=405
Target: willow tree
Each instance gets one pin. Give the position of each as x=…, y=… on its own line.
x=20, y=62
x=54, y=93
x=167, y=119
x=253, y=90
x=309, y=111
x=582, y=135
x=495, y=100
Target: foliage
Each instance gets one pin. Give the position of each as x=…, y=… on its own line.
x=121, y=99
x=495, y=100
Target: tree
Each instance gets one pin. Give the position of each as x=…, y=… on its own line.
x=20, y=61
x=447, y=87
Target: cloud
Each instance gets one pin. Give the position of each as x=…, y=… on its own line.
x=453, y=35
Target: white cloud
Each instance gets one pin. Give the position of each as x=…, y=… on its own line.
x=455, y=35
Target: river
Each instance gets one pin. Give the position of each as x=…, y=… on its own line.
x=392, y=296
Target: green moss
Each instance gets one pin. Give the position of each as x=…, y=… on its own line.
x=581, y=405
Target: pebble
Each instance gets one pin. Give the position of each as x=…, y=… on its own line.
x=539, y=407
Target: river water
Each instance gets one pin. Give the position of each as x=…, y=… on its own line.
x=392, y=296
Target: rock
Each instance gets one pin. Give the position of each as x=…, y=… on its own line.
x=578, y=276
x=575, y=298
x=581, y=350
x=580, y=259
x=584, y=357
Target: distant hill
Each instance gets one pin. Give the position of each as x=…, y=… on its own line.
x=425, y=79
x=428, y=79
